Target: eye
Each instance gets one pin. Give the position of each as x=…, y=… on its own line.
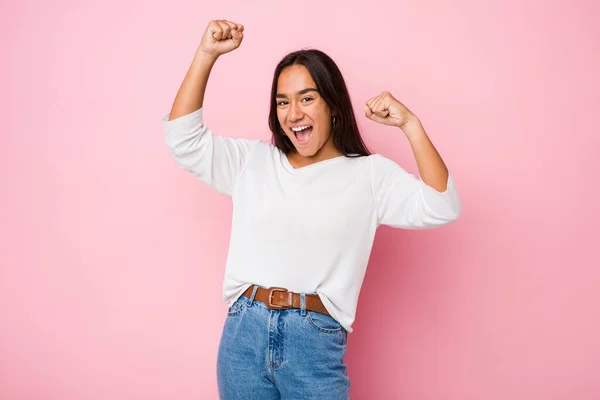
x=282, y=103
x=307, y=99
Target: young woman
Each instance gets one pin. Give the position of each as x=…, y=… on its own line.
x=305, y=211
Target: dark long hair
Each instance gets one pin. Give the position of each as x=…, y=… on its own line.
x=332, y=88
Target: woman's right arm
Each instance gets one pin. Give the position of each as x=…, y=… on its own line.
x=220, y=37
x=215, y=160
x=190, y=96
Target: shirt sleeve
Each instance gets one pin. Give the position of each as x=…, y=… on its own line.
x=216, y=160
x=405, y=201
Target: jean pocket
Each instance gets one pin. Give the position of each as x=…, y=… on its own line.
x=323, y=322
x=235, y=308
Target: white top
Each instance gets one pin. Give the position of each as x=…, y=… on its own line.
x=306, y=229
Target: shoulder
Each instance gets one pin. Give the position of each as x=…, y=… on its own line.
x=380, y=163
x=264, y=153
x=265, y=147
x=379, y=159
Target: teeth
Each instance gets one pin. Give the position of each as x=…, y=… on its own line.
x=300, y=128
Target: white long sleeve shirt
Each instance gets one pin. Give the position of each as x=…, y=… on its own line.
x=308, y=229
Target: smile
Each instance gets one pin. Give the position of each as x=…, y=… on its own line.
x=302, y=133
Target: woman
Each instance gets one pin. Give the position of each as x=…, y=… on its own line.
x=305, y=211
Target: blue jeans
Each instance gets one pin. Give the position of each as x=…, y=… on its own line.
x=269, y=354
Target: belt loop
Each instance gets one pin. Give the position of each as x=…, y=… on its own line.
x=251, y=299
x=303, y=304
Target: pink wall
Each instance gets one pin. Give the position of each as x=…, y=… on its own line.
x=112, y=258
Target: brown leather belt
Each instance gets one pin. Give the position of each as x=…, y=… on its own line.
x=279, y=299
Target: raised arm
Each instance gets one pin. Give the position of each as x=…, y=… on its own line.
x=220, y=37
x=215, y=160
x=403, y=201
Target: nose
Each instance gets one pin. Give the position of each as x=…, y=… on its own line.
x=295, y=111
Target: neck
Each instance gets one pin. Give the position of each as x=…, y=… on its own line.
x=324, y=153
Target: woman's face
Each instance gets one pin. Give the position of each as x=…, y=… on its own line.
x=303, y=114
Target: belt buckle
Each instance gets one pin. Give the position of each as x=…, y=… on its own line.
x=277, y=306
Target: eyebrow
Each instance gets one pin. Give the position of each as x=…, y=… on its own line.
x=301, y=92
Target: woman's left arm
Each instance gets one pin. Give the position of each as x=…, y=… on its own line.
x=387, y=110
x=432, y=169
x=402, y=200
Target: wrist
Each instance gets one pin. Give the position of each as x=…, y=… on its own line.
x=204, y=57
x=412, y=126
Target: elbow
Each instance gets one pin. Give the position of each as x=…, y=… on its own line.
x=178, y=153
x=453, y=210
x=187, y=151
x=443, y=214
x=453, y=216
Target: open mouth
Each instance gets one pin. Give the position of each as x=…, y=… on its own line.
x=303, y=133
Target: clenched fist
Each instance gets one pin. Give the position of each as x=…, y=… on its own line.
x=386, y=110
x=221, y=37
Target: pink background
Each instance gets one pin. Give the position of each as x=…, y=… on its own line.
x=112, y=258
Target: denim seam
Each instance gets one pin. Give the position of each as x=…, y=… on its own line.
x=325, y=330
x=236, y=309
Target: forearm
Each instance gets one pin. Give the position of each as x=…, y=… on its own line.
x=432, y=169
x=190, y=96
